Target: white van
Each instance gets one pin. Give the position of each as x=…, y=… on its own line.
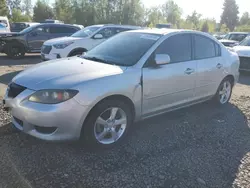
x=5, y=22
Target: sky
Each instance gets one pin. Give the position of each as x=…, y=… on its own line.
x=208, y=8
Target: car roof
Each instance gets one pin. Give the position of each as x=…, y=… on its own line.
x=117, y=25
x=165, y=31
x=58, y=24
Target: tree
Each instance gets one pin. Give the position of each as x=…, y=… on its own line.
x=230, y=14
x=155, y=16
x=17, y=16
x=27, y=7
x=172, y=12
x=14, y=4
x=3, y=8
x=245, y=19
x=42, y=11
x=194, y=18
x=205, y=27
x=63, y=10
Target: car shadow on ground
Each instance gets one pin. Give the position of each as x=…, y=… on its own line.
x=6, y=78
x=200, y=146
x=27, y=60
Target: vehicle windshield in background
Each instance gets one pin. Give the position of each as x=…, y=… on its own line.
x=26, y=30
x=245, y=42
x=124, y=49
x=18, y=26
x=236, y=37
x=87, y=31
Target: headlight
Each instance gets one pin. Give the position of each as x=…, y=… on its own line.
x=52, y=96
x=62, y=45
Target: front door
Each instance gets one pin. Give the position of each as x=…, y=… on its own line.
x=37, y=37
x=173, y=84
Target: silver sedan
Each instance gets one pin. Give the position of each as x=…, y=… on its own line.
x=132, y=76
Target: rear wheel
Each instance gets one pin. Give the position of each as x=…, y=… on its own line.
x=107, y=124
x=15, y=51
x=224, y=92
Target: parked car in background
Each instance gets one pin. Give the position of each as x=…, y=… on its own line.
x=131, y=76
x=234, y=38
x=219, y=36
x=19, y=26
x=31, y=39
x=5, y=22
x=52, y=21
x=243, y=50
x=81, y=41
x=161, y=26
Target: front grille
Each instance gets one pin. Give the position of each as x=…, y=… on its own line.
x=15, y=90
x=245, y=63
x=46, y=49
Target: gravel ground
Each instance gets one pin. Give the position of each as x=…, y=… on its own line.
x=203, y=146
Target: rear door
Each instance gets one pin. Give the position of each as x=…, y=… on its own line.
x=37, y=37
x=173, y=84
x=210, y=65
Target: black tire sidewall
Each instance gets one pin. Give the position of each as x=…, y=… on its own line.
x=88, y=136
x=217, y=96
x=10, y=53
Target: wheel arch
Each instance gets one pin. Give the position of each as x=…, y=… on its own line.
x=76, y=50
x=118, y=97
x=231, y=78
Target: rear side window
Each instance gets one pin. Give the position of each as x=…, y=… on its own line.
x=178, y=47
x=204, y=47
x=56, y=29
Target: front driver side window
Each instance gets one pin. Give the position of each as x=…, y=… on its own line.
x=178, y=47
x=107, y=32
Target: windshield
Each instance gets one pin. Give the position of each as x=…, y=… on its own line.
x=18, y=25
x=124, y=49
x=87, y=31
x=245, y=42
x=28, y=29
x=236, y=37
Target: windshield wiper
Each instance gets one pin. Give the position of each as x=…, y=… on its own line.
x=99, y=60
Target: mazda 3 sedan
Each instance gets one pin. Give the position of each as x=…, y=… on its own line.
x=131, y=76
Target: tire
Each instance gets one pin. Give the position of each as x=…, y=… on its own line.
x=92, y=130
x=224, y=92
x=15, y=51
x=75, y=53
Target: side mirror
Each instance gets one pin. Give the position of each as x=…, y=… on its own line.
x=162, y=59
x=98, y=36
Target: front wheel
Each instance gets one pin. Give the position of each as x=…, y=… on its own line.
x=224, y=92
x=15, y=51
x=107, y=124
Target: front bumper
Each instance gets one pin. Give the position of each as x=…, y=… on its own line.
x=54, y=54
x=48, y=122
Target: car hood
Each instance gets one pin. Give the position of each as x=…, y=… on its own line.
x=61, y=40
x=64, y=73
x=242, y=50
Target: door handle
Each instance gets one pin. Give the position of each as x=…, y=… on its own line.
x=189, y=71
x=219, y=65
